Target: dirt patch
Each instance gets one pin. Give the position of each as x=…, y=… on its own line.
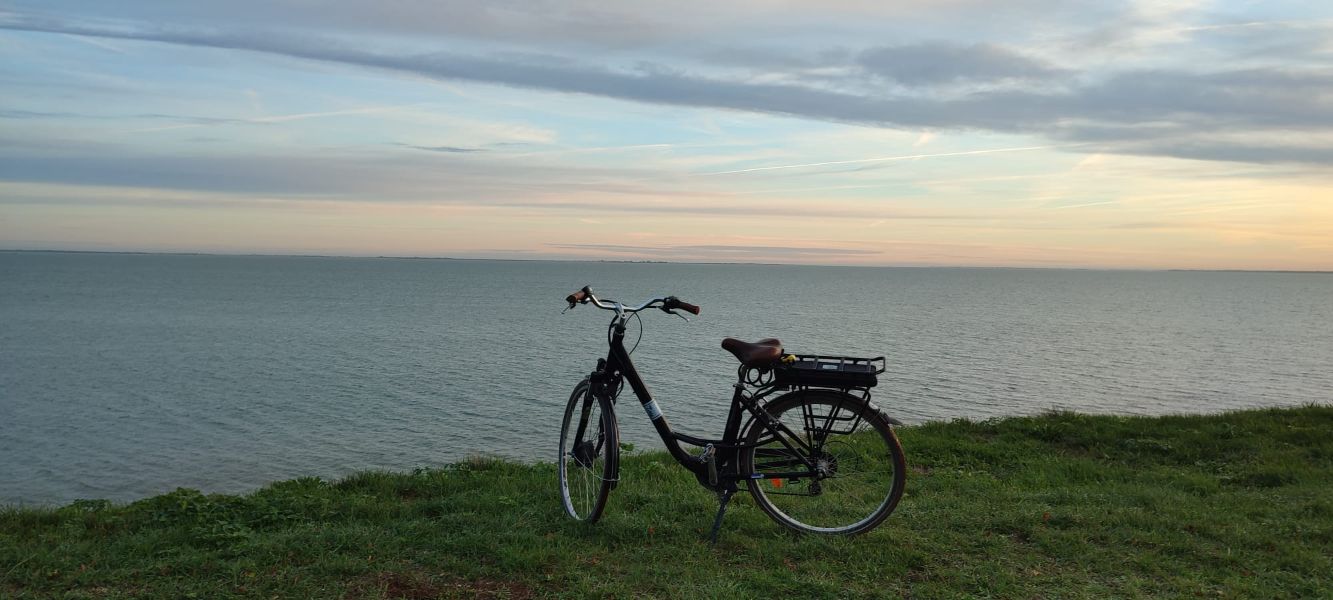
x=492, y=588
x=392, y=584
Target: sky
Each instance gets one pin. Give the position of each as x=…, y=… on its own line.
x=1028, y=133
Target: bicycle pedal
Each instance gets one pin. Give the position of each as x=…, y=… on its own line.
x=709, y=457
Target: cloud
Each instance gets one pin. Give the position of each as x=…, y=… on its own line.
x=280, y=118
x=722, y=251
x=415, y=177
x=61, y=115
x=482, y=180
x=1251, y=153
x=942, y=62
x=446, y=149
x=550, y=23
x=37, y=114
x=883, y=159
x=1138, y=111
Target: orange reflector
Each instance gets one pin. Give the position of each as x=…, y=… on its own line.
x=777, y=483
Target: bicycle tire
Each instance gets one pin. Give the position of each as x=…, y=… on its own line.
x=864, y=469
x=589, y=454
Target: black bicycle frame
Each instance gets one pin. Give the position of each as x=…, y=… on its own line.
x=617, y=365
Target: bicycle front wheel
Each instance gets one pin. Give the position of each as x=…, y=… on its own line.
x=834, y=467
x=589, y=451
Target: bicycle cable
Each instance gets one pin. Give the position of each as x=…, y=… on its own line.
x=611, y=328
x=640, y=338
x=609, y=332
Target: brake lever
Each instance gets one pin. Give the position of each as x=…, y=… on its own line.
x=672, y=312
x=571, y=305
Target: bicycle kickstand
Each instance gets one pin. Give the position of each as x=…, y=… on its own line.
x=723, y=497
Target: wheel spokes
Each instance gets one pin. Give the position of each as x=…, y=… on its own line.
x=854, y=467
x=585, y=454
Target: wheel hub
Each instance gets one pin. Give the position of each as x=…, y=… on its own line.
x=826, y=465
x=584, y=453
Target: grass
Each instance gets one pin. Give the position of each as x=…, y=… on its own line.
x=1060, y=505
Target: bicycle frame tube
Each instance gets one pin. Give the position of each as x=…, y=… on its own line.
x=618, y=361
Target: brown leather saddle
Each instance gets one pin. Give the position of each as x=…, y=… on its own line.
x=763, y=353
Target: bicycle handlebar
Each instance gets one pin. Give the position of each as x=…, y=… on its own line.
x=674, y=302
x=667, y=303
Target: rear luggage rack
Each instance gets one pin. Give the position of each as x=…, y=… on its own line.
x=842, y=372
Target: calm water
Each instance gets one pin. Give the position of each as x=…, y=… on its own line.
x=123, y=376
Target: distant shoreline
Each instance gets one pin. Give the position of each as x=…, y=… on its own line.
x=661, y=262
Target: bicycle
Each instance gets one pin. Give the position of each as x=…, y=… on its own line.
x=819, y=457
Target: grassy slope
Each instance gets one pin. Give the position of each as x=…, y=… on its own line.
x=1063, y=505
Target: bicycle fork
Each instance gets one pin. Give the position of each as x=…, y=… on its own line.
x=599, y=386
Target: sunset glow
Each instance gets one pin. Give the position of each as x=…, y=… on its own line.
x=1105, y=135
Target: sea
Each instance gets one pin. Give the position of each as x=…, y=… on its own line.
x=127, y=375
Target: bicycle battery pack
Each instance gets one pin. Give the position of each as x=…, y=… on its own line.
x=842, y=372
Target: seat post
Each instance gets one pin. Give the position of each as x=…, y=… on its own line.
x=732, y=431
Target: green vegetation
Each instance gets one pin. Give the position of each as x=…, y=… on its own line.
x=1061, y=505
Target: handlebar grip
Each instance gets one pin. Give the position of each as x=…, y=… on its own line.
x=576, y=297
x=687, y=307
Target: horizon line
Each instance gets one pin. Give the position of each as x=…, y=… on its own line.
x=646, y=261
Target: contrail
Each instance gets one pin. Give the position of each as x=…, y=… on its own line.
x=1289, y=24
x=92, y=41
x=892, y=158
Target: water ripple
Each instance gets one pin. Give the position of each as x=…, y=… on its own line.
x=123, y=376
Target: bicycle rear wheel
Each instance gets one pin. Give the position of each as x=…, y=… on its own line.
x=859, y=469
x=589, y=452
